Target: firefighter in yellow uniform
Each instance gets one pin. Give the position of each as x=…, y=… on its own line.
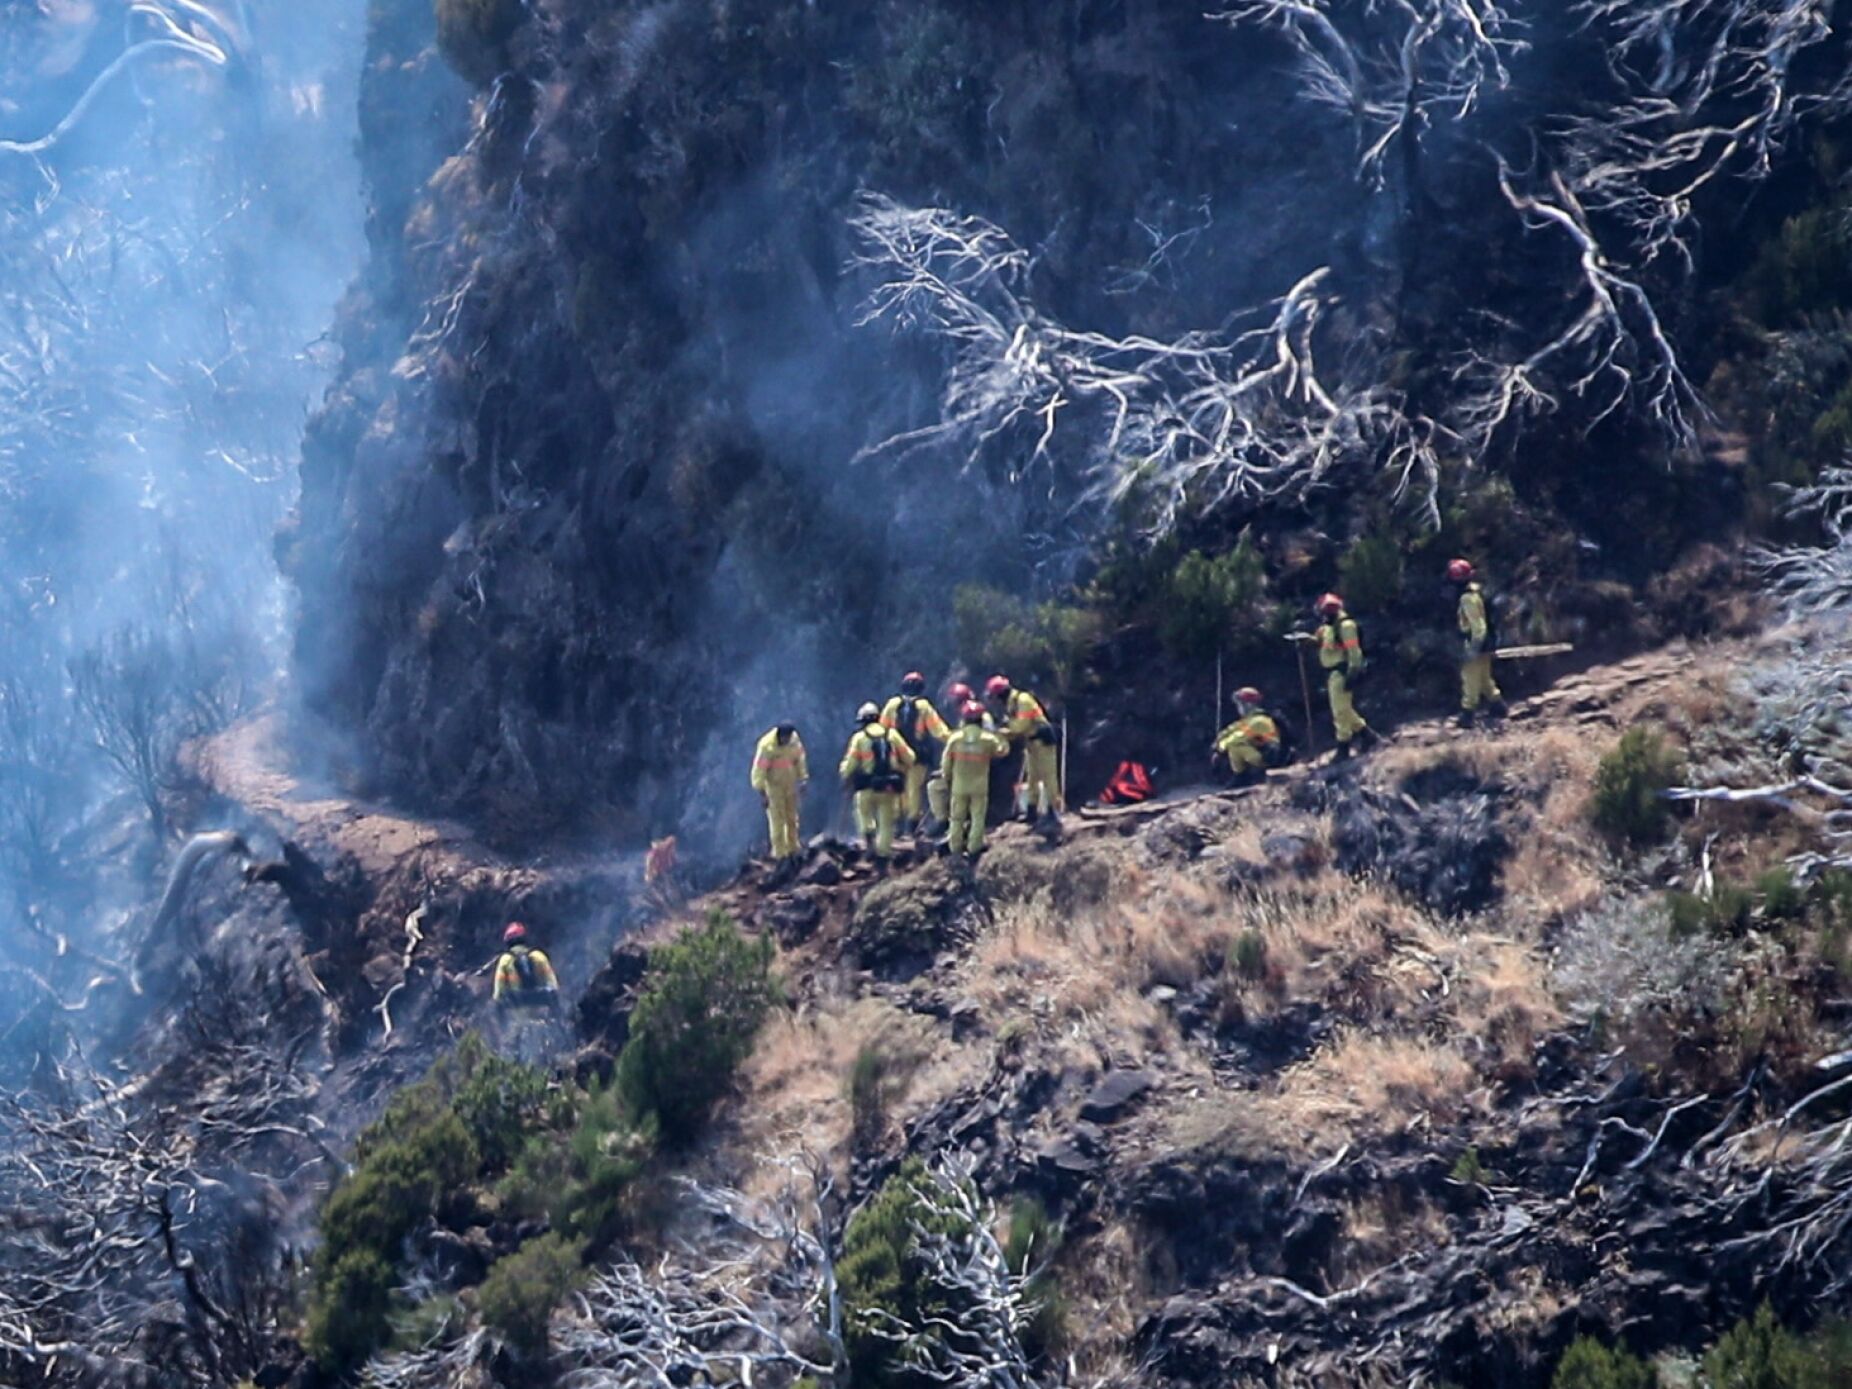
x=968, y=755
x=938, y=789
x=875, y=767
x=1340, y=652
x=524, y=976
x=1250, y=743
x=1021, y=719
x=1477, y=685
x=779, y=771
x=913, y=717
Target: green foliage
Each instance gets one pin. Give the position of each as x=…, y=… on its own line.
x=1628, y=805
x=873, y=1085
x=1759, y=1353
x=1468, y=1170
x=1588, y=1364
x=879, y=1273
x=1726, y=912
x=1029, y=643
x=426, y=1322
x=1249, y=955
x=1029, y=1248
x=473, y=36
x=1803, y=272
x=1783, y=899
x=462, y=1121
x=1208, y=597
x=703, y=1001
x=522, y=1289
x=582, y=1176
x=1370, y=574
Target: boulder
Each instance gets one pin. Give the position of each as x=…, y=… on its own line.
x=1114, y=1095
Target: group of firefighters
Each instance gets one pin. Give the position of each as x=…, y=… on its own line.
x=899, y=786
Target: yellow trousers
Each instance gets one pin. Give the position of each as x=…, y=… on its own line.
x=1041, y=777
x=882, y=809
x=939, y=797
x=969, y=809
x=1476, y=683
x=1242, y=753
x=1344, y=716
x=915, y=792
x=781, y=819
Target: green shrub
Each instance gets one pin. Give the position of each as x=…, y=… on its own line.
x=583, y=1178
x=1783, y=899
x=1208, y=597
x=1728, y=911
x=1759, y=1353
x=703, y=1001
x=428, y=1145
x=473, y=36
x=874, y=1083
x=1370, y=574
x=348, y=1314
x=1588, y=1364
x=1628, y=803
x=1031, y=643
x=521, y=1291
x=879, y=1276
x=1804, y=271
x=1468, y=1170
x=1249, y=955
x=1033, y=1241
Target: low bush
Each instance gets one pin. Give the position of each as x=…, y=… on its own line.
x=1248, y=955
x=1035, y=644
x=518, y=1297
x=1588, y=1364
x=584, y=1177
x=1033, y=1241
x=1759, y=1353
x=1628, y=803
x=463, y=1121
x=880, y=1278
x=1370, y=574
x=875, y=1081
x=703, y=1001
x=1209, y=599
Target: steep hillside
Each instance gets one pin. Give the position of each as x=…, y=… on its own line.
x=594, y=502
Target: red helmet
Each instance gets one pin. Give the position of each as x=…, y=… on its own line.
x=960, y=694
x=1459, y=570
x=997, y=686
x=1330, y=605
x=1247, y=694
x=913, y=683
x=973, y=711
x=515, y=933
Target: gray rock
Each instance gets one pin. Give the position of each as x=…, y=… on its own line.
x=825, y=872
x=1114, y=1095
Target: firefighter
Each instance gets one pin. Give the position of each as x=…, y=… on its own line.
x=968, y=755
x=524, y=976
x=875, y=767
x=912, y=715
x=938, y=792
x=1477, y=641
x=1340, y=651
x=779, y=771
x=1021, y=720
x=1250, y=744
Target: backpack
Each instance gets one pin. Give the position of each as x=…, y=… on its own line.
x=907, y=725
x=1130, y=785
x=1493, y=637
x=524, y=968
x=880, y=775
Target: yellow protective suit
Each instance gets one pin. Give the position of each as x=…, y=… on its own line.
x=1024, y=723
x=877, y=807
x=1245, y=742
x=926, y=724
x=1340, y=651
x=1476, y=681
x=967, y=771
x=778, y=771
